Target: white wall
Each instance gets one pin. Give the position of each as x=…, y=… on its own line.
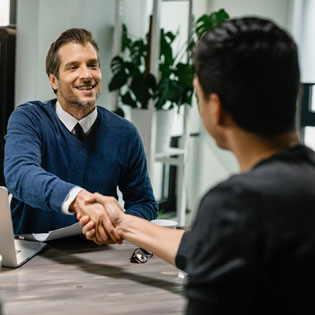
x=303, y=29
x=271, y=9
x=39, y=22
x=136, y=16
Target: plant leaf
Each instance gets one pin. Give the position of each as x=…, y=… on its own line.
x=131, y=69
x=166, y=51
x=143, y=86
x=185, y=74
x=167, y=91
x=207, y=22
x=125, y=40
x=116, y=64
x=128, y=100
x=138, y=52
x=118, y=80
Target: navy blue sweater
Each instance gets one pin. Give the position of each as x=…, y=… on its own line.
x=43, y=161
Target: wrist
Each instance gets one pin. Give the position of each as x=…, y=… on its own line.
x=81, y=197
x=122, y=223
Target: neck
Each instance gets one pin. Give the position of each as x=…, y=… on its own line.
x=250, y=149
x=77, y=111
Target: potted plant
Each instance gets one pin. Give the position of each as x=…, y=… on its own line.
x=174, y=86
x=137, y=86
x=176, y=82
x=131, y=75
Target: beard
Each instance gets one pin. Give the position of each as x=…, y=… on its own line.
x=76, y=101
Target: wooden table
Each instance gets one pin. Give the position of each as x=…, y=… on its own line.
x=75, y=276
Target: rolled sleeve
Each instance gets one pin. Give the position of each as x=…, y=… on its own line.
x=183, y=252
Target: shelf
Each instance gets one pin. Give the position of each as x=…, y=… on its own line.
x=173, y=156
x=170, y=152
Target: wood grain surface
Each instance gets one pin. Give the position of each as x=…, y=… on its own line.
x=75, y=276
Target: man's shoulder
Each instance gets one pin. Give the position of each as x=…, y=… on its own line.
x=282, y=179
x=227, y=189
x=236, y=192
x=244, y=186
x=35, y=106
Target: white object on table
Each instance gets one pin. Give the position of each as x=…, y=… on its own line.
x=71, y=230
x=166, y=223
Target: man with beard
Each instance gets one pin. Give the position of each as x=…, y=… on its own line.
x=60, y=151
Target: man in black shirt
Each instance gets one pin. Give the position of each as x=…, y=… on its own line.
x=251, y=249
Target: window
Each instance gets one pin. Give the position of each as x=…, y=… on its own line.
x=4, y=12
x=308, y=115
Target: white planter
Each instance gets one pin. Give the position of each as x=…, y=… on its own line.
x=164, y=126
x=141, y=119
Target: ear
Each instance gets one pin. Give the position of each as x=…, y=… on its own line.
x=217, y=111
x=53, y=81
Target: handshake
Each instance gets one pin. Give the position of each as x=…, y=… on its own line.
x=104, y=222
x=100, y=217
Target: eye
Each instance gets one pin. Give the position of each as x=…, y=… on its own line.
x=93, y=66
x=72, y=67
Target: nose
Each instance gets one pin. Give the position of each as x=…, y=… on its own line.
x=85, y=72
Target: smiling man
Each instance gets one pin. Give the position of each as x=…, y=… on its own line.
x=60, y=151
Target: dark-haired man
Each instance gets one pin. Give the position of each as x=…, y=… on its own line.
x=252, y=246
x=59, y=152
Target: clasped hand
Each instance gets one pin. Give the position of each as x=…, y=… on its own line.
x=99, y=217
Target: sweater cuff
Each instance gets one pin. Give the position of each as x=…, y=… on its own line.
x=69, y=199
x=181, y=258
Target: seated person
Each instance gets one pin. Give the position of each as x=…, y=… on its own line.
x=251, y=249
x=60, y=151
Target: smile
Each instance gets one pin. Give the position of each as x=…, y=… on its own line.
x=85, y=87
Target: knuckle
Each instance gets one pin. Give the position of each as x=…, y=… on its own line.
x=105, y=237
x=110, y=230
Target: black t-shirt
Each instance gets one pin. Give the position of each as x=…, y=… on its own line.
x=252, y=246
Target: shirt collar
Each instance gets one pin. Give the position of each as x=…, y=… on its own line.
x=69, y=121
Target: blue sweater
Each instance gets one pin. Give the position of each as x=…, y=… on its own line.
x=43, y=161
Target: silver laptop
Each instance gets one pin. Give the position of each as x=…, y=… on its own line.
x=14, y=252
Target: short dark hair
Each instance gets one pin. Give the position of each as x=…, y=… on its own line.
x=72, y=35
x=252, y=65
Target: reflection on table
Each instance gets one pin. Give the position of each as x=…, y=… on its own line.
x=75, y=276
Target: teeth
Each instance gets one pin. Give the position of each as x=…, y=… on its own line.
x=89, y=87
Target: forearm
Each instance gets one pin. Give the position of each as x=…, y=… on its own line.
x=163, y=242
x=36, y=187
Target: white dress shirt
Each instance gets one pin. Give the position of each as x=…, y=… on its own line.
x=69, y=122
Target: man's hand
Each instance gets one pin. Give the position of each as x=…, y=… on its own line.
x=113, y=210
x=85, y=206
x=162, y=241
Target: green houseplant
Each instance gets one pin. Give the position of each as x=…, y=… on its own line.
x=174, y=87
